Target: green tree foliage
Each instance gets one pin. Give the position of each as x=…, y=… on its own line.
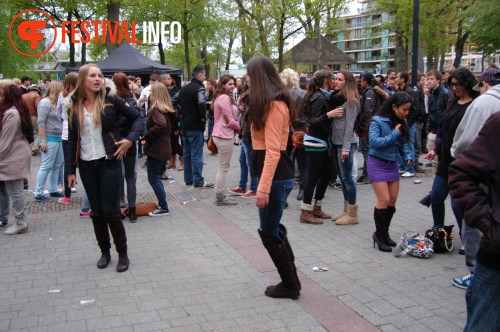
x=12, y=63
x=483, y=24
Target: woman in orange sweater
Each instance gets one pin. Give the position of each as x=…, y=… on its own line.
x=271, y=113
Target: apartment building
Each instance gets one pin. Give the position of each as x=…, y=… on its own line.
x=362, y=37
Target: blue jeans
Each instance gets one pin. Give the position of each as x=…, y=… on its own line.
x=439, y=192
x=51, y=163
x=471, y=238
x=192, y=148
x=364, y=148
x=154, y=166
x=4, y=203
x=270, y=216
x=101, y=180
x=411, y=145
x=301, y=157
x=483, y=300
x=210, y=127
x=246, y=165
x=85, y=203
x=344, y=169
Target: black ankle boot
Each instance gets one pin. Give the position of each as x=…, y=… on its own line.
x=123, y=263
x=104, y=260
x=380, y=216
x=131, y=214
x=390, y=212
x=300, y=195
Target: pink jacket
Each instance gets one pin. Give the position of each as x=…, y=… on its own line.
x=223, y=106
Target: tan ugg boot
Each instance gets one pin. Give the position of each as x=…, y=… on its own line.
x=181, y=165
x=306, y=215
x=351, y=217
x=318, y=213
x=171, y=163
x=341, y=214
x=19, y=227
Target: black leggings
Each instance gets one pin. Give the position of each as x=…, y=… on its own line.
x=130, y=178
x=319, y=175
x=175, y=145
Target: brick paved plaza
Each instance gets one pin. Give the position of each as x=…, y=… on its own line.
x=204, y=268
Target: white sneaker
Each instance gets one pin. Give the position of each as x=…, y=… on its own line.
x=407, y=175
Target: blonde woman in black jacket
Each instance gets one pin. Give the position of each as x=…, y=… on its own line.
x=95, y=143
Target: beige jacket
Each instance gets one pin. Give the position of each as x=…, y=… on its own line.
x=15, y=152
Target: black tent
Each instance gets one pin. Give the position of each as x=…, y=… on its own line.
x=128, y=60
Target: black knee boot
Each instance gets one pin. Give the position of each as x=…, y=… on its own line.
x=290, y=252
x=390, y=212
x=119, y=237
x=103, y=240
x=277, y=249
x=380, y=216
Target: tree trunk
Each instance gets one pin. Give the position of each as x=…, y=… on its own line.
x=281, y=43
x=459, y=45
x=113, y=9
x=401, y=54
x=186, y=47
x=84, y=53
x=161, y=51
x=204, y=57
x=72, y=62
x=441, y=60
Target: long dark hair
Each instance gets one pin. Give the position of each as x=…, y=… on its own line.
x=316, y=82
x=466, y=79
x=12, y=96
x=219, y=89
x=266, y=87
x=386, y=110
x=122, y=85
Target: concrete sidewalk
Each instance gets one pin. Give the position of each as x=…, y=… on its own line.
x=204, y=268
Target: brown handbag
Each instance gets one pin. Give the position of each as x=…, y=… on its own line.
x=298, y=139
x=211, y=145
x=142, y=209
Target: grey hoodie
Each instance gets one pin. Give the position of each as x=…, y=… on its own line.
x=475, y=117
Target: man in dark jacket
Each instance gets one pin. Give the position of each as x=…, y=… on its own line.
x=191, y=104
x=474, y=170
x=411, y=118
x=370, y=102
x=438, y=102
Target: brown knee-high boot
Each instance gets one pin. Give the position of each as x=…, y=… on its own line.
x=117, y=229
x=277, y=249
x=103, y=240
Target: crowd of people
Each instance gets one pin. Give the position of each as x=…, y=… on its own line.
x=289, y=126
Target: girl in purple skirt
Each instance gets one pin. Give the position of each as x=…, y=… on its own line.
x=387, y=135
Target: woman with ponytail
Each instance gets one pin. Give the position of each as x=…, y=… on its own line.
x=316, y=142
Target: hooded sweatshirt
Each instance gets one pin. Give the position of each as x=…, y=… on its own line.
x=475, y=117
